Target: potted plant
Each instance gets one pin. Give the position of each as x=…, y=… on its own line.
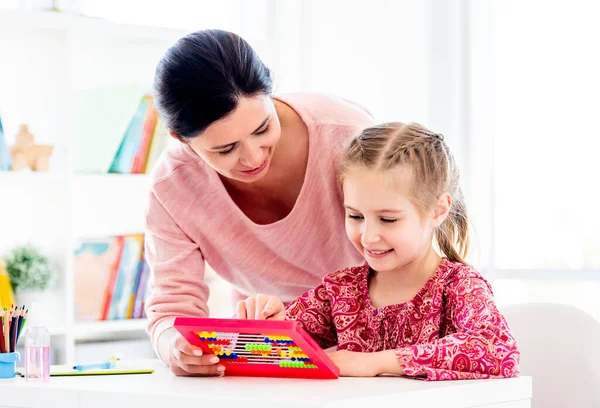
x=30, y=274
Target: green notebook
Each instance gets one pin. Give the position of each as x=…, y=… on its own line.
x=67, y=370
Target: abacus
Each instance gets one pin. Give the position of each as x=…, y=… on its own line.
x=259, y=348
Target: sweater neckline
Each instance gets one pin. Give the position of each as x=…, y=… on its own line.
x=364, y=288
x=308, y=174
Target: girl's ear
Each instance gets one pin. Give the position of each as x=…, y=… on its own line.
x=441, y=208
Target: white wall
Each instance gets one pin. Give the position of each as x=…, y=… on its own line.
x=533, y=87
x=515, y=94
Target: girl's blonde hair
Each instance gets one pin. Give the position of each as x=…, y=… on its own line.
x=389, y=145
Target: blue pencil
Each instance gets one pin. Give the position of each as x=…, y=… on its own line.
x=83, y=367
x=13, y=333
x=19, y=324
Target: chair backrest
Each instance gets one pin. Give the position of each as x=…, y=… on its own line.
x=560, y=349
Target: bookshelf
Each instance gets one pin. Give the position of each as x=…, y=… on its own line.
x=55, y=61
x=95, y=330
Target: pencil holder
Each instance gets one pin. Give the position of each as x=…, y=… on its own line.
x=8, y=363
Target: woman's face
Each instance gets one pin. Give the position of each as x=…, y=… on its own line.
x=241, y=145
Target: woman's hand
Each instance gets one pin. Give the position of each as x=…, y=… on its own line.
x=261, y=307
x=187, y=360
x=358, y=364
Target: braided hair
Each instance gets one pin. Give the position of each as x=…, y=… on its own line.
x=391, y=145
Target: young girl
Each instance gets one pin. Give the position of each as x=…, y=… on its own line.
x=408, y=310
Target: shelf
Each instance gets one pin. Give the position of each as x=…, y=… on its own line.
x=67, y=58
x=96, y=329
x=54, y=175
x=91, y=177
x=109, y=328
x=57, y=331
x=32, y=176
x=77, y=24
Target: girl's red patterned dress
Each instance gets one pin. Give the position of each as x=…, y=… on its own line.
x=450, y=330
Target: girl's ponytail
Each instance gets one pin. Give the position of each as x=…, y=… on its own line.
x=453, y=235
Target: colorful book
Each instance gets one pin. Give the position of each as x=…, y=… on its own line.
x=141, y=158
x=128, y=267
x=110, y=284
x=5, y=157
x=102, y=117
x=110, y=278
x=141, y=292
x=160, y=141
x=132, y=139
x=138, y=275
x=94, y=261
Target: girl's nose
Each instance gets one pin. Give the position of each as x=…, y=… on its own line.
x=369, y=235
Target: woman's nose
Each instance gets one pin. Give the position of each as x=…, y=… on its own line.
x=252, y=158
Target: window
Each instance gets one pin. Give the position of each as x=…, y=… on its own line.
x=547, y=139
x=180, y=14
x=376, y=53
x=9, y=4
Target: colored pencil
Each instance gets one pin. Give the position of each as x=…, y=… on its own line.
x=6, y=331
x=20, y=323
x=24, y=321
x=2, y=350
x=13, y=334
x=11, y=326
x=12, y=322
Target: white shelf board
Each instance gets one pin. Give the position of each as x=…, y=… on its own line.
x=112, y=178
x=57, y=330
x=77, y=24
x=97, y=329
x=32, y=176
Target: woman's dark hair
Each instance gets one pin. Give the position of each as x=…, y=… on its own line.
x=200, y=79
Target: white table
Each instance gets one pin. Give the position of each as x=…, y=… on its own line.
x=162, y=389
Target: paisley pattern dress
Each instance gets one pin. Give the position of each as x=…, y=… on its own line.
x=450, y=330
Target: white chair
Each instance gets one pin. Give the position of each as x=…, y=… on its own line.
x=560, y=349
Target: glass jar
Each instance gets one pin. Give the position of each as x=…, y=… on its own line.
x=37, y=354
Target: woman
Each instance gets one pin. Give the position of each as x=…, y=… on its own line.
x=252, y=189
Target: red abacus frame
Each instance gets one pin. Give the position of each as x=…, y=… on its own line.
x=259, y=348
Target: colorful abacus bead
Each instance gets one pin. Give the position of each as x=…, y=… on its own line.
x=277, y=339
x=295, y=364
x=258, y=346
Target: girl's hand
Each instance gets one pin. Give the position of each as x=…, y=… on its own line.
x=188, y=360
x=358, y=364
x=261, y=307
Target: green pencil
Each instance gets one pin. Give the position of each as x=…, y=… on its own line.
x=22, y=324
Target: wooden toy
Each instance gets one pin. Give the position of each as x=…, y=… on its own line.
x=26, y=154
x=259, y=348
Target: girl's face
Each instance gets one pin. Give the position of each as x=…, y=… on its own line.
x=241, y=145
x=382, y=220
